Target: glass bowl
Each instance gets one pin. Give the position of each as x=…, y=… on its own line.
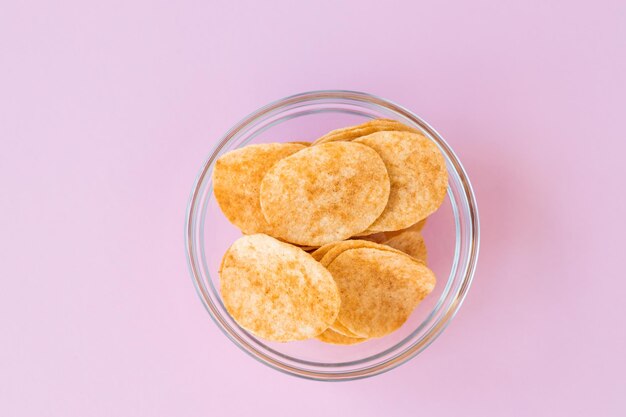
x=451, y=234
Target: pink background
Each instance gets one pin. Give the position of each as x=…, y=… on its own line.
x=108, y=109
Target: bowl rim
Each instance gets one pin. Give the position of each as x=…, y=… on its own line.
x=194, y=205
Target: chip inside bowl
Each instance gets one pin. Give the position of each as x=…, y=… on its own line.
x=319, y=253
x=381, y=237
x=276, y=290
x=337, y=248
x=378, y=237
x=417, y=227
x=340, y=247
x=410, y=242
x=337, y=327
x=324, y=193
x=237, y=179
x=354, y=132
x=418, y=175
x=335, y=338
x=379, y=289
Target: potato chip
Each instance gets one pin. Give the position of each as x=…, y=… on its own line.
x=302, y=143
x=382, y=237
x=237, y=179
x=418, y=175
x=344, y=244
x=379, y=237
x=340, y=247
x=329, y=252
x=410, y=242
x=277, y=291
x=304, y=248
x=379, y=289
x=322, y=250
x=353, y=132
x=324, y=193
x=417, y=227
x=334, y=338
x=337, y=327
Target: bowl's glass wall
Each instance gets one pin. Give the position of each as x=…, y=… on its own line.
x=451, y=235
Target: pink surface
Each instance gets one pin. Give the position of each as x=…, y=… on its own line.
x=108, y=109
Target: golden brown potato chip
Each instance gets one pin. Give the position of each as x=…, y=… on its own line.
x=319, y=253
x=418, y=175
x=237, y=179
x=379, y=237
x=303, y=143
x=382, y=237
x=324, y=193
x=417, y=227
x=340, y=247
x=379, y=289
x=304, y=248
x=337, y=327
x=334, y=338
x=410, y=242
x=276, y=290
x=327, y=253
x=353, y=132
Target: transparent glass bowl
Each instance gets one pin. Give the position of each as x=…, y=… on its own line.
x=451, y=234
